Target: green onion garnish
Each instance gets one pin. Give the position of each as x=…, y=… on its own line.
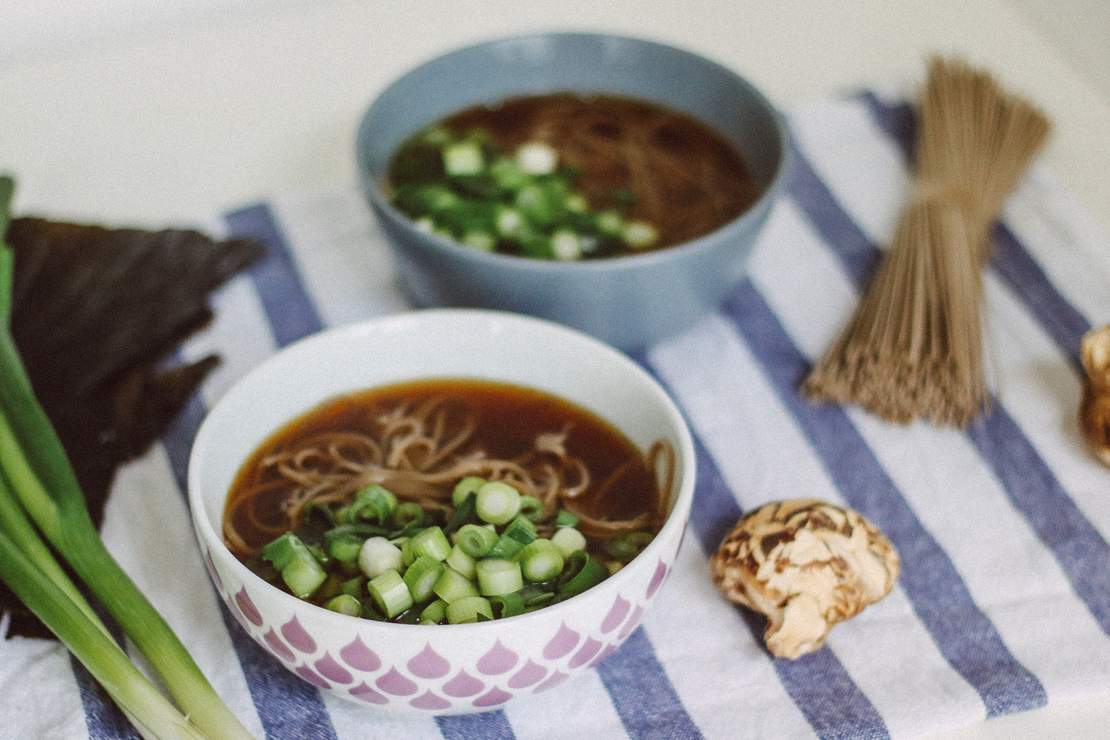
x=568, y=540
x=421, y=577
x=464, y=488
x=626, y=546
x=531, y=508
x=497, y=577
x=431, y=543
x=497, y=502
x=374, y=503
x=390, y=594
x=541, y=560
x=460, y=561
x=300, y=570
x=476, y=540
x=507, y=605
x=468, y=609
x=581, y=572
x=565, y=519
x=345, y=604
x=406, y=513
x=452, y=586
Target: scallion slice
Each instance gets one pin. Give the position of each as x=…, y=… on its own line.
x=565, y=519
x=421, y=577
x=434, y=612
x=460, y=561
x=452, y=586
x=497, y=503
x=476, y=540
x=517, y=534
x=374, y=503
x=531, y=508
x=581, y=572
x=569, y=540
x=469, y=609
x=377, y=556
x=497, y=577
x=300, y=570
x=345, y=604
x=507, y=605
x=431, y=543
x=406, y=513
x=464, y=512
x=465, y=487
x=541, y=560
x=626, y=546
x=389, y=593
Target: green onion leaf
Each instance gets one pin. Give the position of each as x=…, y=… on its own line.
x=390, y=594
x=476, y=540
x=497, y=577
x=452, y=586
x=469, y=609
x=373, y=503
x=421, y=577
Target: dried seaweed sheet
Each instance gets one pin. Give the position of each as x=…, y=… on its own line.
x=96, y=311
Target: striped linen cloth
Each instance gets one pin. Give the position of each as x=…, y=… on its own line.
x=1004, y=600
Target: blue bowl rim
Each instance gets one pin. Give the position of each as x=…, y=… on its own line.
x=702, y=243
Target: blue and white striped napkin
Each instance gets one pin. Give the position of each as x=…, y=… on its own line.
x=1004, y=600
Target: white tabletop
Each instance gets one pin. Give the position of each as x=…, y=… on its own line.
x=172, y=121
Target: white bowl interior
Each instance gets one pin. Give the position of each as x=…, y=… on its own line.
x=428, y=344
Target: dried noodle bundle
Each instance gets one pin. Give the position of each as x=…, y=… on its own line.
x=914, y=348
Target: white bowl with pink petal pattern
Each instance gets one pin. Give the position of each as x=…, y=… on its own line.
x=443, y=669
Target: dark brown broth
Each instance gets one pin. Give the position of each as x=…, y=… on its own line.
x=509, y=418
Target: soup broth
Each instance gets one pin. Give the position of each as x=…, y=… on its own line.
x=579, y=494
x=582, y=177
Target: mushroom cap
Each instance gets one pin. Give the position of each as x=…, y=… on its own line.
x=1094, y=409
x=805, y=564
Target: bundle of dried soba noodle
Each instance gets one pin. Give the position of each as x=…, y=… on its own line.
x=914, y=348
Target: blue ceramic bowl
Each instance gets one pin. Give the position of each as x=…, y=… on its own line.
x=627, y=301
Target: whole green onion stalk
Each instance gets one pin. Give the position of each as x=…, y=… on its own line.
x=38, y=473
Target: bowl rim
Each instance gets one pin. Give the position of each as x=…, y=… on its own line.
x=373, y=188
x=677, y=518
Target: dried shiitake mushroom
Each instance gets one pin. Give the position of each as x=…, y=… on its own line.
x=1094, y=411
x=806, y=565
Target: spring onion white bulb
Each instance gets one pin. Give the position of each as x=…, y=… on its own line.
x=537, y=158
x=377, y=556
x=568, y=540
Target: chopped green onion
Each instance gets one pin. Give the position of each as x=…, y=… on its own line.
x=345, y=604
x=464, y=488
x=565, y=245
x=537, y=158
x=354, y=586
x=460, y=561
x=463, y=158
x=610, y=223
x=378, y=555
x=613, y=566
x=639, y=234
x=497, y=503
x=463, y=513
x=565, y=519
x=434, y=612
x=476, y=540
x=425, y=224
x=576, y=203
x=507, y=174
x=373, y=503
x=541, y=560
x=519, y=532
x=329, y=588
x=431, y=543
x=534, y=594
x=299, y=569
x=626, y=546
x=421, y=577
x=507, y=605
x=531, y=508
x=497, y=577
x=508, y=221
x=483, y=241
x=407, y=554
x=452, y=586
x=581, y=572
x=390, y=594
x=406, y=513
x=468, y=609
x=344, y=547
x=569, y=540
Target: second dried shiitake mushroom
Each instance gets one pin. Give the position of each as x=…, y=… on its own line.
x=806, y=565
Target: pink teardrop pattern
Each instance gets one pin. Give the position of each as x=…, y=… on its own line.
x=632, y=623
x=554, y=680
x=247, y=607
x=589, y=649
x=360, y=657
x=212, y=570
x=609, y=650
x=527, y=676
x=362, y=692
x=497, y=660
x=492, y=698
x=616, y=615
x=431, y=702
x=392, y=682
x=562, y=643
x=278, y=647
x=463, y=685
x=312, y=677
x=329, y=668
x=428, y=664
x=296, y=636
x=657, y=579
